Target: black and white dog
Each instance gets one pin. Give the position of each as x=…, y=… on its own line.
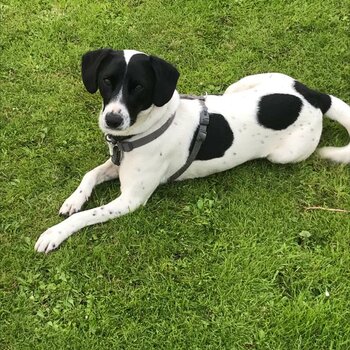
x=155, y=135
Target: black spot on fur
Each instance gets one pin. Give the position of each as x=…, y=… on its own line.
x=278, y=111
x=315, y=98
x=219, y=138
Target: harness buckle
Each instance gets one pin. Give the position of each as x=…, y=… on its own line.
x=110, y=139
x=205, y=119
x=202, y=132
x=116, y=155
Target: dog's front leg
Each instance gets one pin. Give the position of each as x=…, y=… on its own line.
x=133, y=195
x=105, y=172
x=55, y=235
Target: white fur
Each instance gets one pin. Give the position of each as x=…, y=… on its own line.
x=340, y=112
x=143, y=169
x=129, y=53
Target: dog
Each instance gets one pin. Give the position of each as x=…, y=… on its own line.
x=156, y=135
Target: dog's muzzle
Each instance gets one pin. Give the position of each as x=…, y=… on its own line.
x=114, y=120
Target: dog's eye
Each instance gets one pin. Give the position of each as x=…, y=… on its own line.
x=107, y=81
x=137, y=88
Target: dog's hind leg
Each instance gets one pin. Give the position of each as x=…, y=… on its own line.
x=105, y=172
x=296, y=147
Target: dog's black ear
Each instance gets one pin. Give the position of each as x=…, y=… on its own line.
x=166, y=76
x=90, y=64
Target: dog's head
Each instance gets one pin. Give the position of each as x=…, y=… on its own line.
x=131, y=83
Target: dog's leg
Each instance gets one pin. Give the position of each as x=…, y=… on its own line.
x=298, y=146
x=102, y=173
x=134, y=193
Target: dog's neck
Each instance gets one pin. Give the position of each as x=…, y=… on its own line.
x=152, y=118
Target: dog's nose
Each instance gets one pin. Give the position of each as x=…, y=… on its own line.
x=113, y=120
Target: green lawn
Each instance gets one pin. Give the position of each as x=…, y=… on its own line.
x=232, y=261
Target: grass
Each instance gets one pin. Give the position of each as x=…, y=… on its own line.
x=232, y=261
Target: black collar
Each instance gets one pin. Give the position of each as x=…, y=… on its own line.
x=120, y=144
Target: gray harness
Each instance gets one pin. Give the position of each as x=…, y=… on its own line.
x=120, y=145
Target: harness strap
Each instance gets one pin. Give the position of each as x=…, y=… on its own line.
x=200, y=137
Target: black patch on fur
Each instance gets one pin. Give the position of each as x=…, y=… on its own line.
x=166, y=76
x=278, y=111
x=93, y=62
x=138, y=85
x=315, y=98
x=219, y=138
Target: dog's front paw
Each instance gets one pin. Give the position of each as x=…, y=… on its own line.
x=50, y=240
x=73, y=203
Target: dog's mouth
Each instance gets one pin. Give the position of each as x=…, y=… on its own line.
x=113, y=122
x=111, y=130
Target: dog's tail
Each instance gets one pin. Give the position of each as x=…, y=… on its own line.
x=340, y=112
